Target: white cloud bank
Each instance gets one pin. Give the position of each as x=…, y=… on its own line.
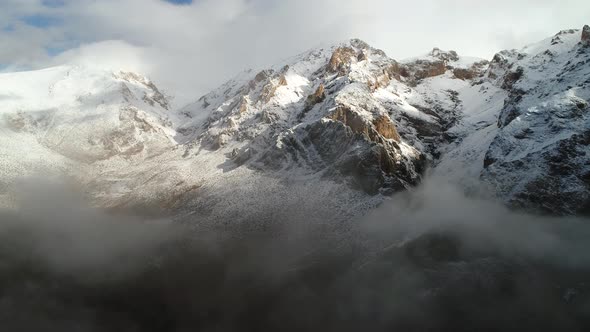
x=192, y=48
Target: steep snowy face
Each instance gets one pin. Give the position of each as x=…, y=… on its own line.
x=68, y=119
x=345, y=112
x=85, y=115
x=539, y=157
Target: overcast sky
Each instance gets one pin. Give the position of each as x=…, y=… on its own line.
x=191, y=46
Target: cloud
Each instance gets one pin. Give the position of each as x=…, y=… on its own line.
x=54, y=224
x=483, y=225
x=195, y=46
x=427, y=260
x=110, y=54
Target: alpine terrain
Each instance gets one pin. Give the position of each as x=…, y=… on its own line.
x=345, y=116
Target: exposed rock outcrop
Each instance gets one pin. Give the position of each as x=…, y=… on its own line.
x=243, y=105
x=444, y=56
x=376, y=131
x=464, y=74
x=437, y=63
x=396, y=71
x=351, y=119
x=386, y=128
x=379, y=82
x=268, y=91
x=283, y=80
x=586, y=35
x=317, y=97
x=429, y=69
x=341, y=60
x=511, y=78
x=262, y=75
x=476, y=70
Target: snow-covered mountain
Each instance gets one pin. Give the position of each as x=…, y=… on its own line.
x=81, y=122
x=529, y=139
x=341, y=126
x=328, y=111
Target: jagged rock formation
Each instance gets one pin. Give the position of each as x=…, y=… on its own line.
x=438, y=62
x=342, y=58
x=295, y=126
x=317, y=97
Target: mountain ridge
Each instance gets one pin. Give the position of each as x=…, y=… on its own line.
x=345, y=114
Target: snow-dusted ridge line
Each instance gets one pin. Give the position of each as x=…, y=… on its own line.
x=345, y=115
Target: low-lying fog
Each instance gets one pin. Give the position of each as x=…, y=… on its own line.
x=431, y=259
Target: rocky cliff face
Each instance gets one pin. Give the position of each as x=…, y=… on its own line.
x=539, y=156
x=528, y=129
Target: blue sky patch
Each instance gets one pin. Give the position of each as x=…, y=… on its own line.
x=53, y=51
x=41, y=21
x=53, y=3
x=180, y=2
